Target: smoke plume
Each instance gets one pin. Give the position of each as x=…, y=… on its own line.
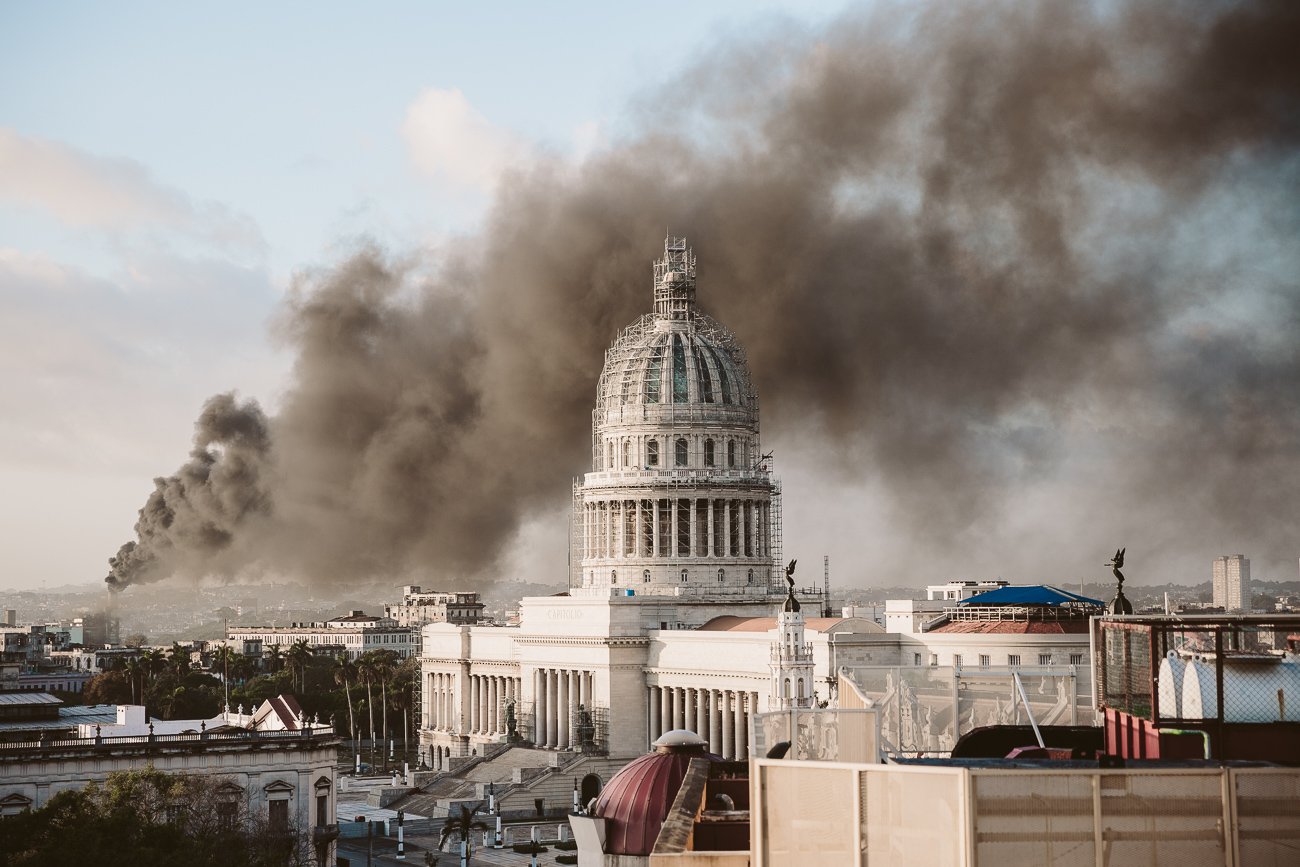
x=965, y=245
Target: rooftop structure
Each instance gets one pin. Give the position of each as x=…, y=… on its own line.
x=1232, y=680
x=419, y=607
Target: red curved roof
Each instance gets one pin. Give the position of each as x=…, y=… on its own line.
x=636, y=800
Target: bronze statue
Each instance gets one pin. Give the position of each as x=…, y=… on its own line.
x=1119, y=605
x=791, y=603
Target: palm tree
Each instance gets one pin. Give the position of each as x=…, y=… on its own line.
x=385, y=665
x=366, y=671
x=299, y=656
x=274, y=658
x=135, y=674
x=179, y=660
x=344, y=672
x=155, y=663
x=461, y=823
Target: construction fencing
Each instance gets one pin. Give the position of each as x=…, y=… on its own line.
x=925, y=710
x=845, y=814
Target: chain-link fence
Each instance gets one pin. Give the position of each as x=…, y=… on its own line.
x=1225, y=669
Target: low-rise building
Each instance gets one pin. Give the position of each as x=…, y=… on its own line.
x=354, y=633
x=420, y=607
x=279, y=771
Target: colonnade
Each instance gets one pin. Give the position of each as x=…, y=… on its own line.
x=485, y=702
x=714, y=527
x=557, y=693
x=720, y=716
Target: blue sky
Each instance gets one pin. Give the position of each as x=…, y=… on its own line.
x=165, y=169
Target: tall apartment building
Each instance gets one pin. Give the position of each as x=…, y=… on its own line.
x=1232, y=582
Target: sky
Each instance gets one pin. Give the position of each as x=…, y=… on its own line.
x=178, y=184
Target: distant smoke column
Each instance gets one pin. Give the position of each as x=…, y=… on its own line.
x=1232, y=582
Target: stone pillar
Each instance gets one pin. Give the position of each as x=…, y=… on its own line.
x=689, y=715
x=709, y=534
x=475, y=719
x=575, y=691
x=702, y=713
x=728, y=725
x=741, y=752
x=715, y=723
x=539, y=708
x=562, y=710
x=665, y=709
x=494, y=707
x=483, y=706
x=655, y=719
x=726, y=529
x=692, y=528
x=552, y=707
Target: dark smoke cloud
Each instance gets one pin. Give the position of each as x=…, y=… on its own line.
x=957, y=240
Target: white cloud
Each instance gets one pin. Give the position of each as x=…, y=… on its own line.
x=447, y=139
x=111, y=194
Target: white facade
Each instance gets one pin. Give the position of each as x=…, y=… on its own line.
x=353, y=634
x=1231, y=578
x=675, y=617
x=269, y=774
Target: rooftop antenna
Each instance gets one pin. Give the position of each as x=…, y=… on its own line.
x=225, y=661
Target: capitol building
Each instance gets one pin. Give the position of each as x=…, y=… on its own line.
x=679, y=614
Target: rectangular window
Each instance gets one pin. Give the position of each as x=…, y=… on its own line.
x=984, y=660
x=279, y=815
x=916, y=659
x=322, y=810
x=956, y=660
x=934, y=659
x=1013, y=659
x=1076, y=659
x=226, y=815
x=1044, y=659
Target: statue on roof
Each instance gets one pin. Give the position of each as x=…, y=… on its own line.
x=791, y=604
x=1119, y=605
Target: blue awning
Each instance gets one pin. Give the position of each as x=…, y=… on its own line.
x=1036, y=594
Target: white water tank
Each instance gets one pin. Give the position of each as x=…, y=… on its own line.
x=1254, y=690
x=1169, y=686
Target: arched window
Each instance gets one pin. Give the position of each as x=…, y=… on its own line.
x=645, y=576
x=800, y=682
x=708, y=453
x=652, y=453
x=684, y=573
x=731, y=453
x=682, y=452
x=613, y=576
x=785, y=688
x=751, y=576
x=627, y=453
x=722, y=575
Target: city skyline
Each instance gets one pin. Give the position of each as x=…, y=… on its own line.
x=1078, y=338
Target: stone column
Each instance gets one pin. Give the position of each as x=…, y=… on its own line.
x=575, y=698
x=702, y=713
x=496, y=705
x=726, y=529
x=552, y=707
x=562, y=737
x=715, y=723
x=484, y=709
x=652, y=705
x=672, y=530
x=709, y=535
x=654, y=527
x=665, y=708
x=689, y=715
x=474, y=718
x=692, y=529
x=728, y=725
x=539, y=707
x=741, y=752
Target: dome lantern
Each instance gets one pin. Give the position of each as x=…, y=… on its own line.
x=675, y=281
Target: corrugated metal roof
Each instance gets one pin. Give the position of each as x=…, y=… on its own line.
x=1036, y=594
x=22, y=699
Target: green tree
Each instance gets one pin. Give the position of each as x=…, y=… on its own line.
x=300, y=656
x=148, y=819
x=108, y=687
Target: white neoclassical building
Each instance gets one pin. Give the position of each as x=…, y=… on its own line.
x=671, y=621
x=678, y=614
